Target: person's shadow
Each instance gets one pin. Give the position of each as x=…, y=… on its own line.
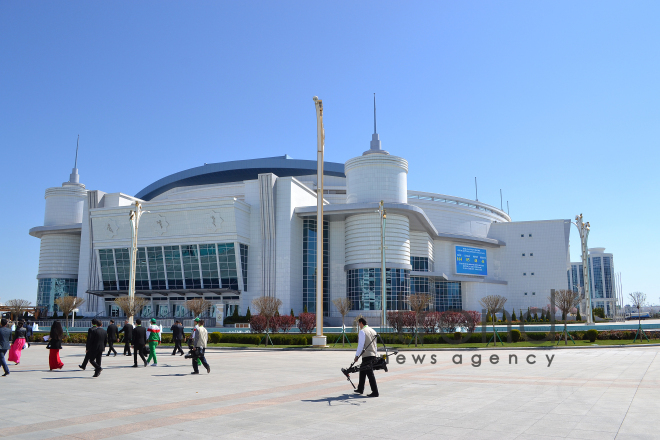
x=344, y=399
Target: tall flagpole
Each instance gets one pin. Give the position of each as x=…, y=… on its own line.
x=319, y=340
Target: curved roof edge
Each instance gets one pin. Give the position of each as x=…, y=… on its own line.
x=237, y=171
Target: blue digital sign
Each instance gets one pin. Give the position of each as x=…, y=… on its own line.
x=471, y=261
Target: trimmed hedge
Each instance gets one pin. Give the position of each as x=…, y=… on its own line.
x=391, y=338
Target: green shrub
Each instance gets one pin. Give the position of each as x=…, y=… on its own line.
x=215, y=337
x=513, y=315
x=598, y=311
x=592, y=335
x=515, y=335
x=578, y=317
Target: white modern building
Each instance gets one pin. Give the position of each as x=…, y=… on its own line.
x=601, y=277
x=233, y=231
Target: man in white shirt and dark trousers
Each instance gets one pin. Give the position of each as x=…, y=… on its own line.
x=367, y=342
x=199, y=342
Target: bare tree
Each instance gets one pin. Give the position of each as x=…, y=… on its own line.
x=355, y=322
x=493, y=304
x=638, y=300
x=418, y=303
x=565, y=300
x=343, y=306
x=267, y=306
x=131, y=308
x=197, y=306
x=17, y=307
x=68, y=304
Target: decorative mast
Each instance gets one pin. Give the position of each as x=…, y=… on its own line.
x=319, y=340
x=375, y=140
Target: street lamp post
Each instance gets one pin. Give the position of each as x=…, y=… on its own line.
x=383, y=270
x=583, y=230
x=134, y=220
x=319, y=340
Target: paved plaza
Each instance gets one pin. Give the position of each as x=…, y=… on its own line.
x=301, y=394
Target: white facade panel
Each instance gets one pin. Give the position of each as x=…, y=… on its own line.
x=363, y=239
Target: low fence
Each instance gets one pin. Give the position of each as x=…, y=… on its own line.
x=165, y=322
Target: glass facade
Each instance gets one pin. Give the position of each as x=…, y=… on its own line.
x=190, y=259
x=108, y=274
x=210, y=266
x=209, y=262
x=50, y=289
x=574, y=272
x=421, y=264
x=156, y=268
x=244, y=265
x=123, y=264
x=309, y=266
x=607, y=269
x=598, y=278
x=448, y=296
x=227, y=260
x=363, y=288
x=173, y=268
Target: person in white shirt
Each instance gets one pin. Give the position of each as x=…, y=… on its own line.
x=368, y=348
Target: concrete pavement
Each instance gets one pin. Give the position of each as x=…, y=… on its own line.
x=583, y=394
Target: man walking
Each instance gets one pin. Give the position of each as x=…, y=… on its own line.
x=97, y=347
x=138, y=341
x=199, y=342
x=154, y=340
x=88, y=345
x=112, y=337
x=177, y=337
x=127, y=329
x=5, y=336
x=29, y=331
x=368, y=348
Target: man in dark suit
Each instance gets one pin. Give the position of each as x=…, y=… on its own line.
x=112, y=337
x=29, y=331
x=138, y=342
x=97, y=348
x=177, y=337
x=5, y=336
x=88, y=345
x=127, y=329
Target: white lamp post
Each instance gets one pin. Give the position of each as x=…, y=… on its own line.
x=134, y=220
x=319, y=340
x=383, y=270
x=583, y=229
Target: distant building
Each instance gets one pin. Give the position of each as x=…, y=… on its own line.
x=601, y=275
x=233, y=231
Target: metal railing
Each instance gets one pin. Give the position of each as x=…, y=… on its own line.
x=459, y=202
x=165, y=322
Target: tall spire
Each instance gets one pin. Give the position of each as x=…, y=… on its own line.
x=375, y=114
x=74, y=177
x=375, y=141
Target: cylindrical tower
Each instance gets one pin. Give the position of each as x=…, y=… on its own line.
x=60, y=242
x=373, y=177
x=370, y=178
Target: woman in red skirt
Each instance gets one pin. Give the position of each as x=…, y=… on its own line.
x=55, y=345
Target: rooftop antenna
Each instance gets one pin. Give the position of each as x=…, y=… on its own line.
x=74, y=177
x=375, y=141
x=476, y=190
x=501, y=200
x=375, y=113
x=75, y=165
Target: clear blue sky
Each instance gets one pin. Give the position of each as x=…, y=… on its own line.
x=556, y=103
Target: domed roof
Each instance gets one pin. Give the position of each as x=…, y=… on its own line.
x=237, y=171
